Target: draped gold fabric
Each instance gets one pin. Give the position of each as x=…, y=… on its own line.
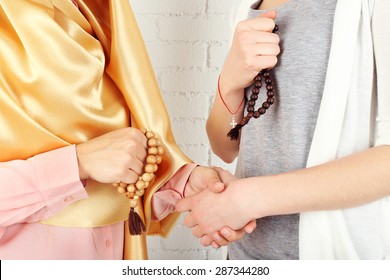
x=69, y=75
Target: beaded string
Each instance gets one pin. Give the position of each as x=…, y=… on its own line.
x=134, y=191
x=257, y=84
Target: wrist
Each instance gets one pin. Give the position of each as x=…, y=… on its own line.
x=228, y=89
x=187, y=171
x=82, y=172
x=233, y=104
x=240, y=200
x=255, y=199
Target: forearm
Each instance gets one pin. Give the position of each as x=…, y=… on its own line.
x=37, y=188
x=219, y=124
x=344, y=183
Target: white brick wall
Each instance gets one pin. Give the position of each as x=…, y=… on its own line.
x=187, y=41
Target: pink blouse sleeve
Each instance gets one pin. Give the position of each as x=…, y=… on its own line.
x=164, y=200
x=39, y=187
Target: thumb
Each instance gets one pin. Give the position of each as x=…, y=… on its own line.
x=269, y=14
x=183, y=205
x=215, y=184
x=249, y=227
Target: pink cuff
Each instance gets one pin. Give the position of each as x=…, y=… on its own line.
x=58, y=177
x=164, y=200
x=41, y=186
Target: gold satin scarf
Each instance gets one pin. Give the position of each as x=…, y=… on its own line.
x=69, y=75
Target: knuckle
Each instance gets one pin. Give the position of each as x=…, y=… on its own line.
x=133, y=133
x=277, y=50
x=196, y=216
x=205, y=241
x=186, y=222
x=248, y=63
x=127, y=130
x=241, y=26
x=246, y=50
x=274, y=60
x=275, y=38
x=195, y=232
x=131, y=145
x=243, y=37
x=269, y=23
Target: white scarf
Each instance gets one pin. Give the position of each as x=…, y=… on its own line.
x=345, y=126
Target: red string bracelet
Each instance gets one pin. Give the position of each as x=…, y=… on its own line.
x=75, y=3
x=233, y=123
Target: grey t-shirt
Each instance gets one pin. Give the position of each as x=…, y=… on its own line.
x=280, y=140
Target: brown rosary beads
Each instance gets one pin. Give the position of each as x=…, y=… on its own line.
x=235, y=131
x=134, y=191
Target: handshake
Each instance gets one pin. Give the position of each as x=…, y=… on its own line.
x=218, y=214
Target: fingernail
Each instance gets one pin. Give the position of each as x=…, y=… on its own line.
x=225, y=232
x=217, y=237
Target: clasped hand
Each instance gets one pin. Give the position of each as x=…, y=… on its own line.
x=120, y=155
x=216, y=215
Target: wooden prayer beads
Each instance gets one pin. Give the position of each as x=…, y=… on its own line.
x=134, y=191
